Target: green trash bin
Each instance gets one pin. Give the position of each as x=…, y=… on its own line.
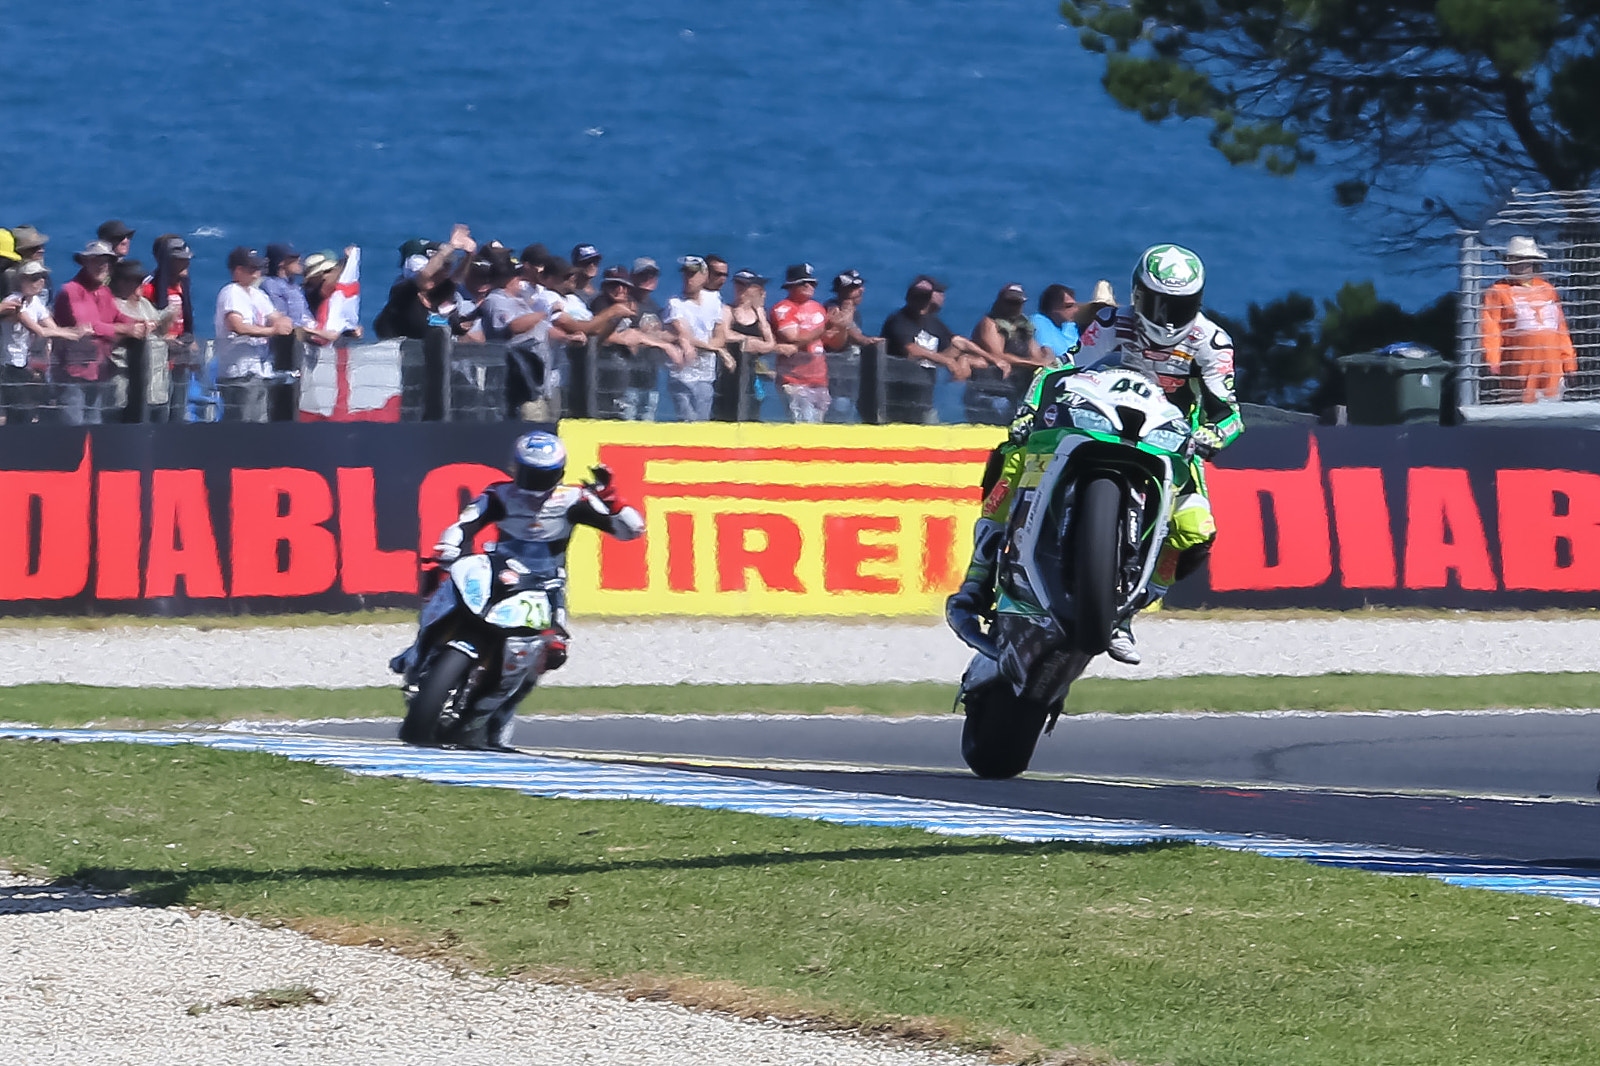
x=1400, y=383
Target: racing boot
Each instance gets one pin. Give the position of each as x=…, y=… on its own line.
x=971, y=605
x=1123, y=647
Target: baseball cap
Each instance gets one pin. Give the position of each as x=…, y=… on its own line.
x=113, y=230
x=1013, y=292
x=645, y=265
x=583, y=254
x=27, y=238
x=417, y=246
x=933, y=283
x=749, y=277
x=8, y=246
x=172, y=246
x=246, y=257
x=95, y=250
x=128, y=270
x=692, y=264
x=848, y=279
x=618, y=274
x=556, y=267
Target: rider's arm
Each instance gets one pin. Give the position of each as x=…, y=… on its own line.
x=483, y=510
x=624, y=523
x=1219, y=407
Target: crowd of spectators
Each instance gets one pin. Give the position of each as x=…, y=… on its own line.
x=118, y=339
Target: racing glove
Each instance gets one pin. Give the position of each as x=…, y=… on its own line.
x=446, y=553
x=1207, y=442
x=602, y=488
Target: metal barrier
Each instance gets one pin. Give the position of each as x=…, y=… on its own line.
x=439, y=379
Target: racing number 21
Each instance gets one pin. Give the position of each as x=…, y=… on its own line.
x=1138, y=388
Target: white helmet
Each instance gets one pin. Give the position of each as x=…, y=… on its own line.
x=1167, y=286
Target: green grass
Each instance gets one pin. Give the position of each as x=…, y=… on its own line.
x=1160, y=954
x=72, y=705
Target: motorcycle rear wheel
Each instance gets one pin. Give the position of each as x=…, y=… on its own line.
x=447, y=673
x=1000, y=731
x=1097, y=566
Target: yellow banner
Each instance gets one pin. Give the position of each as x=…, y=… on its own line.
x=782, y=520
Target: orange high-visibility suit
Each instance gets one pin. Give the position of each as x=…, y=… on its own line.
x=1525, y=336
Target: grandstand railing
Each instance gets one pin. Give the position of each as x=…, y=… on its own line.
x=441, y=379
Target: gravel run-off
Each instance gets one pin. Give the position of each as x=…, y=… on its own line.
x=788, y=652
x=86, y=978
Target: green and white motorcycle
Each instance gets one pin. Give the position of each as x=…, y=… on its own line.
x=1090, y=514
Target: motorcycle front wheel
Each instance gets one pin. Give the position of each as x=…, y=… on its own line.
x=1001, y=730
x=444, y=676
x=1098, y=564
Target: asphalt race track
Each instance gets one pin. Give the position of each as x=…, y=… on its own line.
x=1514, y=786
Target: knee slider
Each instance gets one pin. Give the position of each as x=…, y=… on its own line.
x=1191, y=525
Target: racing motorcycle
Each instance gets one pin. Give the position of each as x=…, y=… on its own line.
x=1085, y=529
x=491, y=638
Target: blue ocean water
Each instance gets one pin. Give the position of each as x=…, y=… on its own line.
x=971, y=140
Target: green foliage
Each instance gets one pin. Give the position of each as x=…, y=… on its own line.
x=1503, y=88
x=1283, y=352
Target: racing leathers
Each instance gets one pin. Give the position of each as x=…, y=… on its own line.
x=1197, y=376
x=535, y=529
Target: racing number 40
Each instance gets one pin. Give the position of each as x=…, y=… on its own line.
x=1138, y=388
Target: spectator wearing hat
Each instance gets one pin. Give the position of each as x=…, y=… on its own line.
x=1007, y=340
x=586, y=261
x=1054, y=326
x=322, y=271
x=245, y=322
x=746, y=322
x=630, y=394
x=696, y=315
x=169, y=285
x=116, y=233
x=26, y=330
x=28, y=244
x=1525, y=341
x=282, y=284
x=426, y=295
x=8, y=259
x=800, y=321
x=843, y=330
x=83, y=369
x=916, y=333
x=143, y=361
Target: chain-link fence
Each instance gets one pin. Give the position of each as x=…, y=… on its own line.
x=1530, y=287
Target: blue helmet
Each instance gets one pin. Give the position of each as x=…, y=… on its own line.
x=538, y=461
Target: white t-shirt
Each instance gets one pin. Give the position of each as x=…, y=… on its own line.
x=240, y=356
x=573, y=307
x=16, y=341
x=702, y=314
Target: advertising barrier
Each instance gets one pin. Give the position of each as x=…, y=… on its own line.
x=763, y=520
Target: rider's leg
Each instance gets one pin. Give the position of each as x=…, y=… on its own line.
x=490, y=727
x=436, y=607
x=1190, y=531
x=971, y=603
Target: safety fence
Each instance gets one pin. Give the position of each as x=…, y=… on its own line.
x=442, y=379
x=1564, y=228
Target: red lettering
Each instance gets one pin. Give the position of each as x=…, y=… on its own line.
x=1532, y=532
x=843, y=553
x=182, y=541
x=626, y=564
x=680, y=552
x=1444, y=531
x=363, y=567
x=442, y=495
x=1302, y=549
x=939, y=555
x=117, y=535
x=775, y=562
x=282, y=506
x=1361, y=524
x=63, y=531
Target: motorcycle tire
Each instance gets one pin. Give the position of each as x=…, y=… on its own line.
x=1097, y=564
x=444, y=675
x=1000, y=731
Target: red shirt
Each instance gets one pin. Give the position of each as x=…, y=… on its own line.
x=809, y=367
x=77, y=304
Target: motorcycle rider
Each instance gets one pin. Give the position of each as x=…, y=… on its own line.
x=535, y=516
x=1164, y=336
